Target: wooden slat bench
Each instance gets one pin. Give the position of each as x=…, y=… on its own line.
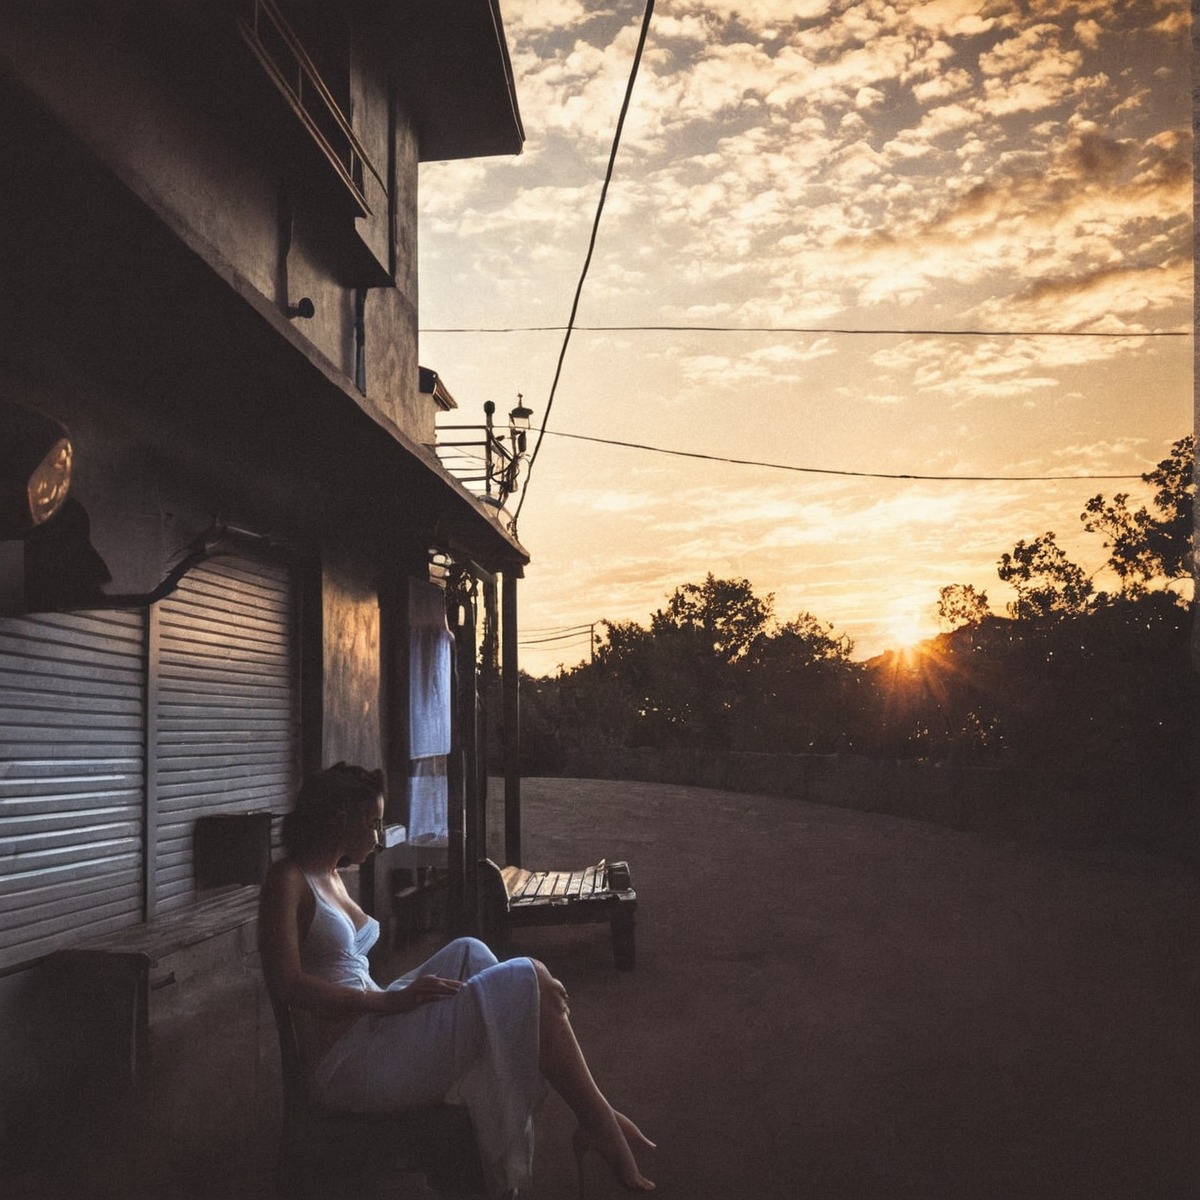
x=105, y=984
x=180, y=944
x=516, y=897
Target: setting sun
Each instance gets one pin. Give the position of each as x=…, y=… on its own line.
x=905, y=629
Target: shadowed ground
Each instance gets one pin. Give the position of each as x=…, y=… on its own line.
x=847, y=1006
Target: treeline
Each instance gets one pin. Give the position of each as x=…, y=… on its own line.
x=1072, y=679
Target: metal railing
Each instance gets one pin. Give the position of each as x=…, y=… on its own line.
x=286, y=62
x=489, y=462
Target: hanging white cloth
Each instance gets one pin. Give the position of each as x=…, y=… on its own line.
x=430, y=665
x=428, y=801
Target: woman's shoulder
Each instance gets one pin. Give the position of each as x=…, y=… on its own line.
x=284, y=880
x=285, y=900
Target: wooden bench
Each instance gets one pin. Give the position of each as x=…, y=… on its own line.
x=105, y=984
x=515, y=897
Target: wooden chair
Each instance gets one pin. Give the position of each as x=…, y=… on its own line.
x=325, y=1152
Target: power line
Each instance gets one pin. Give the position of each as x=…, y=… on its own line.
x=587, y=262
x=749, y=462
x=840, y=332
x=562, y=637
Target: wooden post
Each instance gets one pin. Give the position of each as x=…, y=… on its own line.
x=510, y=682
x=465, y=846
x=490, y=669
x=456, y=783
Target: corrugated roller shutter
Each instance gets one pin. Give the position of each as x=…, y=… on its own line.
x=226, y=721
x=71, y=778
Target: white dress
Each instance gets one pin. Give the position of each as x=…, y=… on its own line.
x=479, y=1048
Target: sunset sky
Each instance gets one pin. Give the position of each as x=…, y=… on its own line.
x=1009, y=168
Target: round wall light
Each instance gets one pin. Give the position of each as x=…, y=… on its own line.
x=36, y=458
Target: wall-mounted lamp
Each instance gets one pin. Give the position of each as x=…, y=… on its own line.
x=36, y=475
x=303, y=307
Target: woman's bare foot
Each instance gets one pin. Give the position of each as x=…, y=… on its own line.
x=633, y=1135
x=607, y=1140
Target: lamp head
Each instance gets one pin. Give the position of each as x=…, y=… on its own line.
x=35, y=472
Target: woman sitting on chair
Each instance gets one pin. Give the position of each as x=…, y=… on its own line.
x=462, y=1026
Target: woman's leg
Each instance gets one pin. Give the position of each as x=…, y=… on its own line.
x=459, y=959
x=567, y=1072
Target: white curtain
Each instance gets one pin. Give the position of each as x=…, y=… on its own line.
x=431, y=659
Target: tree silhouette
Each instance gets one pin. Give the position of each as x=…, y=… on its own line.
x=960, y=604
x=1047, y=582
x=798, y=689
x=724, y=613
x=1087, y=688
x=1143, y=546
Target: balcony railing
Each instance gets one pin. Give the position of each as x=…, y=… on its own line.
x=487, y=460
x=288, y=66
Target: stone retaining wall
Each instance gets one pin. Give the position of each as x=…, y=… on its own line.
x=987, y=799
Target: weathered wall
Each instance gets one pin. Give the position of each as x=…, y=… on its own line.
x=393, y=386
x=371, y=106
x=95, y=74
x=183, y=136
x=350, y=619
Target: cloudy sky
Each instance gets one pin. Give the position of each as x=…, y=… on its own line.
x=791, y=170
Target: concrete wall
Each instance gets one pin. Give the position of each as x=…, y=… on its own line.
x=350, y=621
x=92, y=72
x=990, y=800
x=168, y=99
x=392, y=376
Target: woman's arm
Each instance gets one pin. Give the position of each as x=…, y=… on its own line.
x=285, y=912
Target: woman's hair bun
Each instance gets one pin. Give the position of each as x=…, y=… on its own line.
x=323, y=802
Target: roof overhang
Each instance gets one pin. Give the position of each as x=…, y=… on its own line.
x=457, y=77
x=432, y=385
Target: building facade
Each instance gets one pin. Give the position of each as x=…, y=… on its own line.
x=210, y=287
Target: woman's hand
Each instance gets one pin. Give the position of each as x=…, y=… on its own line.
x=425, y=989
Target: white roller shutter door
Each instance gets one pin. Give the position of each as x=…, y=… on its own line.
x=225, y=708
x=71, y=778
